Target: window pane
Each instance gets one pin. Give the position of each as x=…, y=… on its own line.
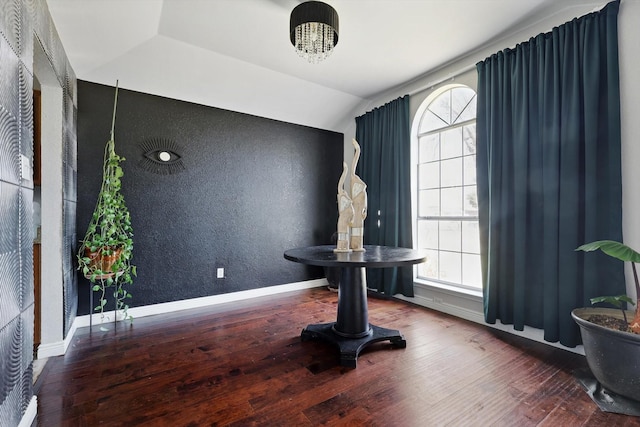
x=451, y=143
x=429, y=175
x=469, y=170
x=470, y=237
x=430, y=148
x=430, y=122
x=469, y=139
x=470, y=201
x=461, y=97
x=441, y=107
x=450, y=235
x=452, y=201
x=429, y=203
x=450, y=267
x=428, y=234
x=471, y=271
x=429, y=268
x=469, y=112
x=451, y=172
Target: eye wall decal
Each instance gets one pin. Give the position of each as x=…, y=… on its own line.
x=161, y=156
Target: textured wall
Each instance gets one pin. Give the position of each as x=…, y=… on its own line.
x=20, y=21
x=251, y=188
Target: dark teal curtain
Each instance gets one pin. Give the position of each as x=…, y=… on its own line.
x=385, y=166
x=549, y=178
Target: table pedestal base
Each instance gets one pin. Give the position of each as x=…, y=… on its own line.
x=350, y=348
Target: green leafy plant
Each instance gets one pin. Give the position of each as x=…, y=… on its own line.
x=623, y=253
x=106, y=251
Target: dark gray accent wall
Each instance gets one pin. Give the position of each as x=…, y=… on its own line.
x=251, y=187
x=23, y=23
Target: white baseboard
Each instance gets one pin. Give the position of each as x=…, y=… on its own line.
x=442, y=305
x=30, y=414
x=168, y=307
x=51, y=349
x=60, y=348
x=57, y=348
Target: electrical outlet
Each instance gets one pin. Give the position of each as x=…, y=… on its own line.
x=220, y=273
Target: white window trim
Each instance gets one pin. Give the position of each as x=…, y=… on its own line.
x=452, y=289
x=415, y=126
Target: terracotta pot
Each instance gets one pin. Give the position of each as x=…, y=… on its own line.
x=102, y=261
x=613, y=356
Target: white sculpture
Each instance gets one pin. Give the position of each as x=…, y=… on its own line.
x=359, y=201
x=345, y=214
x=352, y=208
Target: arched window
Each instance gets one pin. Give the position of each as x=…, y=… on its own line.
x=446, y=221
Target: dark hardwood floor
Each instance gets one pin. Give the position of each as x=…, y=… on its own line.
x=243, y=364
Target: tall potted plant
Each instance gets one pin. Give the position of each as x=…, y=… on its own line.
x=612, y=343
x=106, y=251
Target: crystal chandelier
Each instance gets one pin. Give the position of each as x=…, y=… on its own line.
x=313, y=30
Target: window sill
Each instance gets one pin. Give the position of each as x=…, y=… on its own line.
x=467, y=304
x=452, y=290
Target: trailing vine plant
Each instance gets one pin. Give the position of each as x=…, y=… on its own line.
x=106, y=251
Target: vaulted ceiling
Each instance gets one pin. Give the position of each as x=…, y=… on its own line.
x=236, y=54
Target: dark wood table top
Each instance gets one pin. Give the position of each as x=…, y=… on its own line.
x=372, y=257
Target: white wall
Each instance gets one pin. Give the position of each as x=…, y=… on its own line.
x=469, y=306
x=51, y=197
x=51, y=207
x=628, y=38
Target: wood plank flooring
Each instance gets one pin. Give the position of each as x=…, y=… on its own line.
x=243, y=364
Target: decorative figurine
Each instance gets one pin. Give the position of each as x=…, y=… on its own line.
x=359, y=201
x=345, y=214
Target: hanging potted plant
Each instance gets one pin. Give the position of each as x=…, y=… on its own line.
x=105, y=253
x=611, y=336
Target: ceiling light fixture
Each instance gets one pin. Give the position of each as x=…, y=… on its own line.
x=313, y=30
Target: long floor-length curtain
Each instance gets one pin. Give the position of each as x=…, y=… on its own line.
x=385, y=166
x=549, y=174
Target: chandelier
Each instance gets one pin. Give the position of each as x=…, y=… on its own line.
x=313, y=30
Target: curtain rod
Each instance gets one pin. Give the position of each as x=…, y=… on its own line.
x=443, y=79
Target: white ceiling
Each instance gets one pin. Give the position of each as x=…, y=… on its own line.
x=236, y=54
